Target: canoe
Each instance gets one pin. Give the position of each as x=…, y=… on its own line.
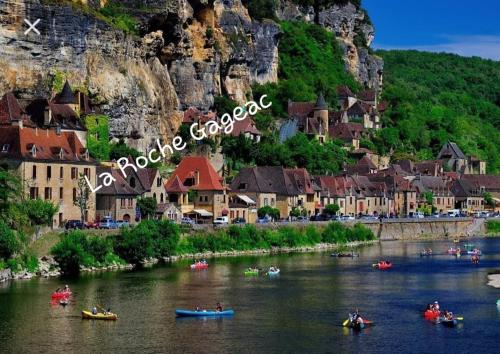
x=251, y=272
x=383, y=265
x=358, y=326
x=347, y=255
x=100, y=316
x=199, y=266
x=475, y=252
x=498, y=302
x=203, y=313
x=61, y=295
x=431, y=314
x=426, y=254
x=448, y=323
x=274, y=273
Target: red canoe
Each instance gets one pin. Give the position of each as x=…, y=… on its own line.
x=431, y=314
x=61, y=295
x=383, y=265
x=199, y=266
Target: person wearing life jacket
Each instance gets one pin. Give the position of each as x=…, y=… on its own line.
x=436, y=306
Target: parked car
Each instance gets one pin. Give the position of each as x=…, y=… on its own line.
x=122, y=223
x=108, y=223
x=263, y=220
x=301, y=219
x=239, y=221
x=91, y=225
x=368, y=217
x=74, y=224
x=347, y=218
x=187, y=221
x=436, y=215
x=221, y=220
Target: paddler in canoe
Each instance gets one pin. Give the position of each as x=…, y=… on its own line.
x=96, y=315
x=356, y=321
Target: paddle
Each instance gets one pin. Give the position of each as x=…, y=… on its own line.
x=345, y=323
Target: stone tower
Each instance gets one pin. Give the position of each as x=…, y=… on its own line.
x=321, y=113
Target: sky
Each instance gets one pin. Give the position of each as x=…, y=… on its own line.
x=464, y=27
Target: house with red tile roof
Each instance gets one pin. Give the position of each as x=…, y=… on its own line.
x=50, y=163
x=247, y=128
x=197, y=189
x=11, y=112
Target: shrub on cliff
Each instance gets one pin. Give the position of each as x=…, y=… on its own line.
x=166, y=239
x=70, y=252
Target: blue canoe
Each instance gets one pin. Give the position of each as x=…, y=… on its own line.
x=203, y=313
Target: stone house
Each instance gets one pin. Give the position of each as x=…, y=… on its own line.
x=168, y=211
x=49, y=163
x=455, y=160
x=468, y=197
x=118, y=200
x=443, y=199
x=486, y=184
x=242, y=206
x=280, y=188
x=197, y=189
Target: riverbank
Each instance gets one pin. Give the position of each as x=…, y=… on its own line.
x=48, y=267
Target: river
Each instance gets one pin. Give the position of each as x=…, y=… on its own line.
x=299, y=311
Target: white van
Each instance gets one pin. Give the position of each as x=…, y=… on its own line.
x=453, y=213
x=221, y=220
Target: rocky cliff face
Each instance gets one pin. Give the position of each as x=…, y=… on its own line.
x=186, y=53
x=354, y=32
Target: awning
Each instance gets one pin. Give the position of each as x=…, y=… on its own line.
x=246, y=199
x=203, y=212
x=497, y=200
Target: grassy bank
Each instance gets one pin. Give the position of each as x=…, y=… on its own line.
x=493, y=228
x=161, y=239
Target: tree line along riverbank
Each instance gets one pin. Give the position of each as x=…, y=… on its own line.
x=150, y=241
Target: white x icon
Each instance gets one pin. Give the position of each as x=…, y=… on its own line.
x=32, y=26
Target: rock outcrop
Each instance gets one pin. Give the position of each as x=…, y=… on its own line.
x=184, y=53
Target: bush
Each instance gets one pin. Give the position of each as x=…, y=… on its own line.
x=136, y=244
x=9, y=243
x=40, y=212
x=70, y=253
x=166, y=239
x=493, y=227
x=268, y=211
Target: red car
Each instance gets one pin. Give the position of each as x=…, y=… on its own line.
x=92, y=225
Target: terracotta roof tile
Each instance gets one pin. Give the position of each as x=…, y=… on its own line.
x=208, y=177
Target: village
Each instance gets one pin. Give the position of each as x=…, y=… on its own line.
x=45, y=141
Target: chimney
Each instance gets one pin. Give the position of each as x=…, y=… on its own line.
x=196, y=177
x=36, y=131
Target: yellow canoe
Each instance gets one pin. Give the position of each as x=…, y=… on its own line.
x=100, y=316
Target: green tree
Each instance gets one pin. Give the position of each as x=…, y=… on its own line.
x=70, y=252
x=167, y=238
x=40, y=212
x=136, y=244
x=147, y=207
x=268, y=211
x=121, y=149
x=83, y=197
x=9, y=243
x=331, y=209
x=488, y=199
x=429, y=197
x=10, y=190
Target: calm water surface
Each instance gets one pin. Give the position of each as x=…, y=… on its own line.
x=299, y=311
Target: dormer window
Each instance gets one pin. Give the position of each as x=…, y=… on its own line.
x=33, y=150
x=61, y=154
x=5, y=147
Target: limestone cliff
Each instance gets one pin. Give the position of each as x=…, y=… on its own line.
x=182, y=53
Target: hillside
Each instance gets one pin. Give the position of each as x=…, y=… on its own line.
x=435, y=97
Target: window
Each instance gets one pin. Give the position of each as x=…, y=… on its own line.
x=33, y=174
x=74, y=172
x=61, y=172
x=266, y=201
x=5, y=147
x=49, y=172
x=132, y=182
x=158, y=182
x=154, y=195
x=130, y=202
x=161, y=197
x=61, y=193
x=206, y=198
x=33, y=151
x=74, y=194
x=272, y=201
x=86, y=172
x=48, y=193
x=33, y=192
x=242, y=186
x=341, y=203
x=122, y=203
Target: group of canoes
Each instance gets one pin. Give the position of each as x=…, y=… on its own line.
x=254, y=271
x=63, y=295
